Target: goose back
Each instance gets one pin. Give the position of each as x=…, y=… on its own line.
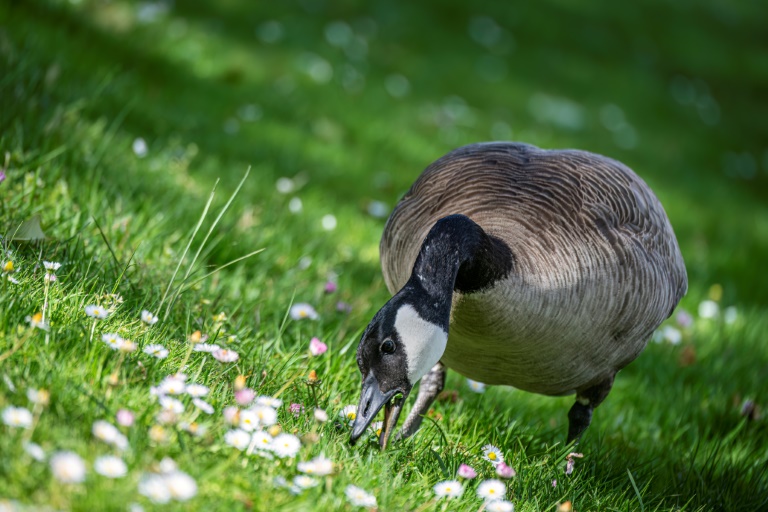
x=596, y=266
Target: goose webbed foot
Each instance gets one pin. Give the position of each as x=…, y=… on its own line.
x=430, y=386
x=580, y=415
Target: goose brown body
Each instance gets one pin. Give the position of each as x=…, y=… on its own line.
x=596, y=266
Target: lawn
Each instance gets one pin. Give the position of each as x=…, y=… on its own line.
x=227, y=165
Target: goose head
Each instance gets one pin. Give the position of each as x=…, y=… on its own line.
x=405, y=339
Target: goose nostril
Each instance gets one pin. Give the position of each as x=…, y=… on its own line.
x=367, y=406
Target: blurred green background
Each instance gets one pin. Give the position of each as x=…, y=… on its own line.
x=356, y=98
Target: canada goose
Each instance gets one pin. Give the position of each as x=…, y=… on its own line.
x=546, y=270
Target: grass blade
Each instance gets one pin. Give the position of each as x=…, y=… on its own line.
x=637, y=491
x=186, y=249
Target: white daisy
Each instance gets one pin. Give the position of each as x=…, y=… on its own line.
x=205, y=347
x=477, y=387
x=52, y=265
x=167, y=465
x=286, y=445
x=328, y=222
x=708, y=309
x=128, y=346
x=295, y=205
x=305, y=482
x=302, y=310
x=193, y=428
x=730, y=314
x=36, y=321
x=34, y=450
x=154, y=488
x=319, y=466
x=269, y=401
x=171, y=386
x=171, y=404
x=449, y=489
x=68, y=467
x=492, y=454
x=156, y=350
x=671, y=334
x=231, y=415
x=491, y=490
x=237, y=438
x=321, y=416
x=225, y=355
x=359, y=498
x=349, y=413
x=166, y=417
x=202, y=405
x=248, y=420
x=267, y=416
x=110, y=466
x=500, y=506
x=261, y=441
x=113, y=341
x=139, y=147
x=181, y=486
x=105, y=431
x=148, y=318
x=197, y=390
x=96, y=311
x=17, y=417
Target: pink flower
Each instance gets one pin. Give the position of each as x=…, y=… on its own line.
x=505, y=471
x=554, y=483
x=330, y=287
x=124, y=417
x=684, y=319
x=343, y=307
x=225, y=355
x=296, y=409
x=244, y=396
x=467, y=472
x=317, y=347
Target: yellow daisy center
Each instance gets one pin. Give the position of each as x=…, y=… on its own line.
x=37, y=317
x=351, y=415
x=8, y=267
x=302, y=314
x=492, y=456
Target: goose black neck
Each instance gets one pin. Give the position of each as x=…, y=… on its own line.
x=458, y=255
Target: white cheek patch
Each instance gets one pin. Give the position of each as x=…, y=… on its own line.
x=424, y=342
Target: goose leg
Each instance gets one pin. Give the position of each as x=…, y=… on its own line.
x=580, y=415
x=431, y=385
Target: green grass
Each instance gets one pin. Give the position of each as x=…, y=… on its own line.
x=79, y=82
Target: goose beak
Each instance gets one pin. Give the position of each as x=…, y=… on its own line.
x=371, y=402
x=391, y=413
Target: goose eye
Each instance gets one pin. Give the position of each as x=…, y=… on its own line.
x=388, y=347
